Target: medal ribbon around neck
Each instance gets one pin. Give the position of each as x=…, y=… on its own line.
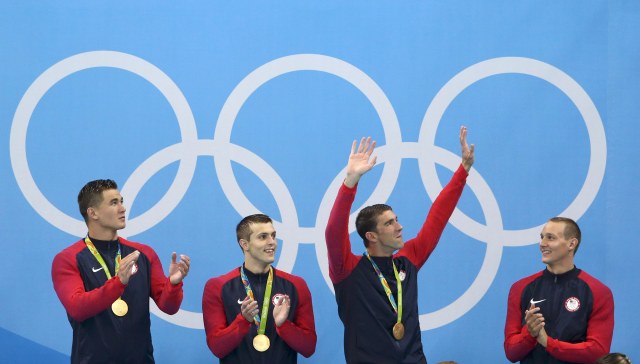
x=260, y=321
x=119, y=306
x=99, y=258
x=397, y=308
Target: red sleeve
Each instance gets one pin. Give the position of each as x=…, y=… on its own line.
x=418, y=249
x=167, y=296
x=221, y=339
x=300, y=334
x=67, y=282
x=517, y=340
x=599, y=329
x=341, y=259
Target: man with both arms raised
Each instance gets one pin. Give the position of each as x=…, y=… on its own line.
x=377, y=293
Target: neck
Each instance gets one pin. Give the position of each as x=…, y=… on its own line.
x=103, y=234
x=256, y=267
x=560, y=268
x=376, y=251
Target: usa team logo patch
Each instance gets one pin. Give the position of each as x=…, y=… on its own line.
x=277, y=298
x=572, y=304
x=402, y=275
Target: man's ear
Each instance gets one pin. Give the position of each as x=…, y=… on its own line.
x=573, y=243
x=91, y=213
x=244, y=244
x=371, y=236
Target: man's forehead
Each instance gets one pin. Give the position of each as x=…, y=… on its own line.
x=386, y=216
x=261, y=227
x=553, y=227
x=111, y=194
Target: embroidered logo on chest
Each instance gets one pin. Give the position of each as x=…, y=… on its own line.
x=572, y=304
x=402, y=274
x=277, y=298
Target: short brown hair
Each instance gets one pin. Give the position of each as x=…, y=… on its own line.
x=243, y=229
x=614, y=358
x=571, y=229
x=367, y=220
x=91, y=194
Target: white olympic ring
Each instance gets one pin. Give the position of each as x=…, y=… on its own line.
x=267, y=72
x=493, y=231
x=564, y=83
x=64, y=68
x=223, y=152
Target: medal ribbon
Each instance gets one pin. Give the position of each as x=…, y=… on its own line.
x=98, y=257
x=260, y=321
x=397, y=308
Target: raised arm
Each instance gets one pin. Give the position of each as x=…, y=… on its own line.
x=420, y=248
x=360, y=161
x=467, y=150
x=341, y=259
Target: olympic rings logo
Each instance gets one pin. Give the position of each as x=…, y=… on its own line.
x=289, y=230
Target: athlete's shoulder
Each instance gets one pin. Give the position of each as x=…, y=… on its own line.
x=596, y=285
x=72, y=250
x=221, y=279
x=134, y=244
x=527, y=280
x=297, y=281
x=288, y=276
x=130, y=246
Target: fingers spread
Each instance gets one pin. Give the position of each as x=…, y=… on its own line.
x=361, y=146
x=371, y=148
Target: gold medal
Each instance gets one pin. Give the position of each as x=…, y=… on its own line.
x=398, y=331
x=119, y=307
x=261, y=342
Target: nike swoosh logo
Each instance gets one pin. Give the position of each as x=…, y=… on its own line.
x=96, y=270
x=534, y=302
x=239, y=302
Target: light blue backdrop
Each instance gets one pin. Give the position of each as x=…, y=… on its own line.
x=206, y=111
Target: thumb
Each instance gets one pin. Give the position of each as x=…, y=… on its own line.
x=173, y=258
